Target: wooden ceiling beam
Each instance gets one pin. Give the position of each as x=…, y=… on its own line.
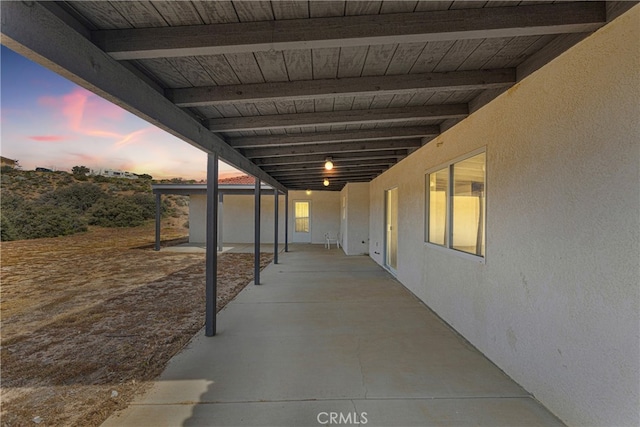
x=320, y=179
x=330, y=88
x=334, y=180
x=380, y=115
x=336, y=136
x=318, y=183
x=320, y=165
x=344, y=31
x=319, y=187
x=332, y=173
x=314, y=158
x=332, y=148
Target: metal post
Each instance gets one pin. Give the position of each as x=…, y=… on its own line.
x=275, y=226
x=256, y=272
x=220, y=228
x=286, y=221
x=158, y=215
x=212, y=255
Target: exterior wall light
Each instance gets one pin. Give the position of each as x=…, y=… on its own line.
x=326, y=182
x=308, y=192
x=328, y=165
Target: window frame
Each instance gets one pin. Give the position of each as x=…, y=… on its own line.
x=344, y=207
x=447, y=247
x=428, y=205
x=296, y=218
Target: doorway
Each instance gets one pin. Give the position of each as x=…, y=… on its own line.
x=391, y=228
x=302, y=221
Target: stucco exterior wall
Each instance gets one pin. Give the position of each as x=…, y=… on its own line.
x=556, y=302
x=238, y=216
x=355, y=225
x=325, y=213
x=197, y=219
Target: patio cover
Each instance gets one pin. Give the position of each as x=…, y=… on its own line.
x=274, y=88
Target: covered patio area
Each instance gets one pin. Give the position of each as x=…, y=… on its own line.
x=325, y=336
x=485, y=152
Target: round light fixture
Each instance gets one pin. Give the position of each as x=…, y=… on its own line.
x=308, y=192
x=328, y=165
x=325, y=182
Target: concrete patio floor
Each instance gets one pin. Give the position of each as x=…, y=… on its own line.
x=326, y=333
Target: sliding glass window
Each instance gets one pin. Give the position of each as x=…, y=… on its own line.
x=438, y=201
x=456, y=206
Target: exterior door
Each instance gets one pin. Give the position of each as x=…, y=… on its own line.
x=302, y=221
x=391, y=225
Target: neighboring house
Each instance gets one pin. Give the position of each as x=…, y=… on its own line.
x=318, y=212
x=4, y=161
x=237, y=180
x=111, y=173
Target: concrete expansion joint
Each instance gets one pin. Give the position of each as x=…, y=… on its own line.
x=333, y=270
x=364, y=384
x=351, y=399
x=300, y=302
x=242, y=402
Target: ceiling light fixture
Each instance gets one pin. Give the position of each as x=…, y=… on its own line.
x=326, y=182
x=328, y=165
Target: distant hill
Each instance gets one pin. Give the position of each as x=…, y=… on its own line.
x=49, y=204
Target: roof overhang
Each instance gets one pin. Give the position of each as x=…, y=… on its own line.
x=273, y=88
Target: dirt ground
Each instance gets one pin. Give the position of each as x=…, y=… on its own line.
x=87, y=320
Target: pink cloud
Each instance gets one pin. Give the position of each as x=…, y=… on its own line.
x=99, y=133
x=86, y=113
x=73, y=106
x=48, y=138
x=134, y=136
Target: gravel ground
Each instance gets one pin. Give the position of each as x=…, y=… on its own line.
x=88, y=320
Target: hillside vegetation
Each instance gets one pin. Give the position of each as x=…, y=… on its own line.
x=49, y=204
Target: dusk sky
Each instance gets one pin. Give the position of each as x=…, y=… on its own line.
x=48, y=121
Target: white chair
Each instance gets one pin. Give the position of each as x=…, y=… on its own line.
x=329, y=240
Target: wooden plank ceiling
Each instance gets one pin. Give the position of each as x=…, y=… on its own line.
x=290, y=83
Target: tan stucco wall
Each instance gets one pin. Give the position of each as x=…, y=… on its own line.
x=197, y=219
x=238, y=217
x=355, y=224
x=556, y=304
x=325, y=213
